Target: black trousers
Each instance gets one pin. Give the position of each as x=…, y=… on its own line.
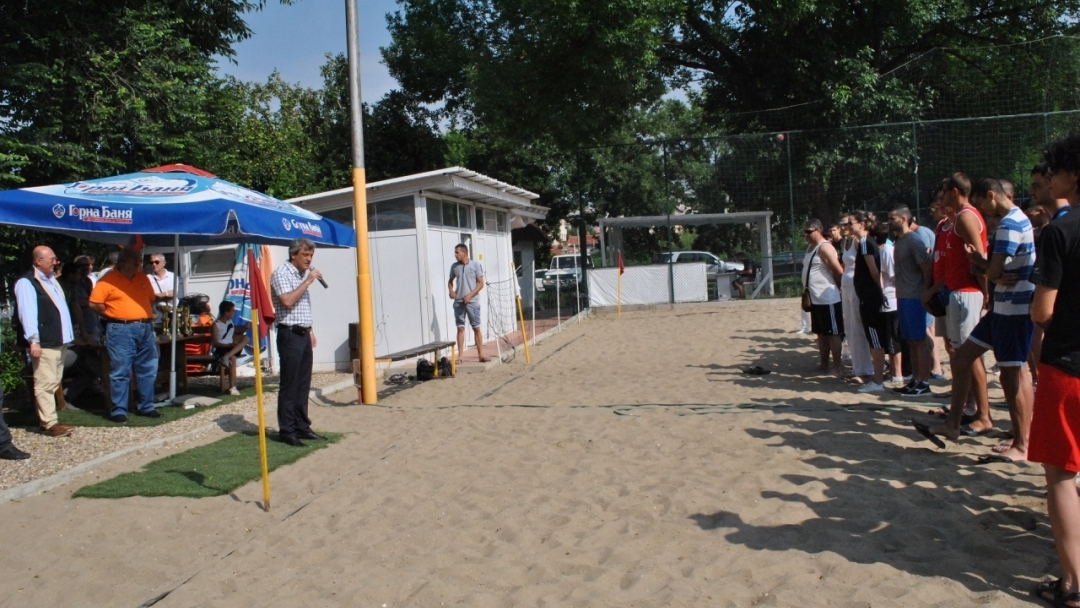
x=5, y=434
x=294, y=352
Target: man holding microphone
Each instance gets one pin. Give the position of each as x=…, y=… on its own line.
x=295, y=340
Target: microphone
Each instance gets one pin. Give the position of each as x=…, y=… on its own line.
x=323, y=283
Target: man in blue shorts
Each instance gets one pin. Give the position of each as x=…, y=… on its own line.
x=466, y=280
x=1008, y=328
x=914, y=260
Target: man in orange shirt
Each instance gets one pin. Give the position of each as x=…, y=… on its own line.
x=124, y=298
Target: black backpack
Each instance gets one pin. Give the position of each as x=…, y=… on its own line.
x=425, y=370
x=445, y=369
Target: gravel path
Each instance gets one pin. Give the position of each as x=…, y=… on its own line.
x=52, y=455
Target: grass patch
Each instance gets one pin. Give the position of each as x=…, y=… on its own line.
x=96, y=413
x=214, y=469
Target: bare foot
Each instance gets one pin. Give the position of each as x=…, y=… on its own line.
x=854, y=379
x=1003, y=447
x=946, y=431
x=1013, y=455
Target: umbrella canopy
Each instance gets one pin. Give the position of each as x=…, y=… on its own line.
x=202, y=209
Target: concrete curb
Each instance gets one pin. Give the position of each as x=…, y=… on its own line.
x=33, y=488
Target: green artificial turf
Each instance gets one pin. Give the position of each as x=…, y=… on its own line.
x=214, y=469
x=100, y=417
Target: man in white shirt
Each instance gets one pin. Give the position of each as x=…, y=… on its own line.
x=45, y=328
x=164, y=282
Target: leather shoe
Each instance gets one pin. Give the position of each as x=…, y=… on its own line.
x=10, y=452
x=310, y=434
x=149, y=414
x=119, y=418
x=291, y=440
x=58, y=430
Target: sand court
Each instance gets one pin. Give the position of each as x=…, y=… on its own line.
x=631, y=464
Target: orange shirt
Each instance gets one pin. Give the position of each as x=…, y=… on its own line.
x=124, y=299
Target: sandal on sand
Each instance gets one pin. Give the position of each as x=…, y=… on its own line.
x=757, y=371
x=1050, y=591
x=924, y=430
x=967, y=431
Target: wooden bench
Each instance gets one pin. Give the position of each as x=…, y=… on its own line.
x=433, y=348
x=201, y=335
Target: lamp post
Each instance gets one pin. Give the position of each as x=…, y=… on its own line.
x=368, y=392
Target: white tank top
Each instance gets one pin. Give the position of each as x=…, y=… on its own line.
x=823, y=287
x=850, y=254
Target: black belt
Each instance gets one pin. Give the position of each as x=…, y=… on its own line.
x=123, y=322
x=299, y=330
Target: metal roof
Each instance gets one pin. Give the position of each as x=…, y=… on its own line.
x=454, y=183
x=687, y=219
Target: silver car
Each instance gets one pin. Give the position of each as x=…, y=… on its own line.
x=713, y=264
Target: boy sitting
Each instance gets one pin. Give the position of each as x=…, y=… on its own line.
x=226, y=343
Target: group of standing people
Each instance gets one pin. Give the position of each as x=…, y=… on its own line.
x=61, y=321
x=991, y=276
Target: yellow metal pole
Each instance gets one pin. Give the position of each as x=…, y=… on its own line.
x=262, y=416
x=524, y=336
x=368, y=390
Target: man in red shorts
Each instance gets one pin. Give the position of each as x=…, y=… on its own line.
x=1055, y=424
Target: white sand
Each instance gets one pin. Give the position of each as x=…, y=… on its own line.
x=630, y=465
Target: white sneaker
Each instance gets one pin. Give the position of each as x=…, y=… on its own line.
x=872, y=387
x=234, y=391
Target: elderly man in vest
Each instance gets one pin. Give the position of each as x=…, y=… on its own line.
x=45, y=328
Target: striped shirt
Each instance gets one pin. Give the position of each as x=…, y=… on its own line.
x=1016, y=241
x=285, y=279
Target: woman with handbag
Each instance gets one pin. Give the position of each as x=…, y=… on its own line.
x=821, y=294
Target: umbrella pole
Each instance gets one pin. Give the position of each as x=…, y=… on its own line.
x=175, y=307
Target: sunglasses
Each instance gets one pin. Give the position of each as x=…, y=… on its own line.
x=156, y=262
x=845, y=224
x=809, y=231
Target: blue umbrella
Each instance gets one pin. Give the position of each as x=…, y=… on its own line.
x=189, y=206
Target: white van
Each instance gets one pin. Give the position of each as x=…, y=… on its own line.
x=565, y=271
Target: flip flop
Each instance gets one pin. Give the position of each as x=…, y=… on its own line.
x=970, y=432
x=925, y=432
x=992, y=458
x=757, y=371
x=1048, y=590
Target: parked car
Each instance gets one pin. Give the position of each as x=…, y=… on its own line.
x=538, y=278
x=564, y=270
x=787, y=263
x=713, y=264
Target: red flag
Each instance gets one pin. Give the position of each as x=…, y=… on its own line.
x=622, y=267
x=260, y=297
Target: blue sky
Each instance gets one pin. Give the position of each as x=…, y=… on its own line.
x=295, y=39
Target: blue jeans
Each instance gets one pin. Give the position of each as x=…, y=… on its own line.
x=131, y=345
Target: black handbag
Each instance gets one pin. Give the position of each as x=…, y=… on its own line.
x=807, y=304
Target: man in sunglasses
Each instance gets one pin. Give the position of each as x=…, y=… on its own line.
x=164, y=282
